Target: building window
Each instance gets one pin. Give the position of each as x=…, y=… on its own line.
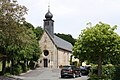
x=46, y=53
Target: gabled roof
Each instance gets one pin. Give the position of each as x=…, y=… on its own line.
x=60, y=43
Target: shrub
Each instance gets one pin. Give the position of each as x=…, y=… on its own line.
x=116, y=73
x=24, y=67
x=32, y=65
x=93, y=77
x=93, y=70
x=107, y=72
x=17, y=69
x=7, y=74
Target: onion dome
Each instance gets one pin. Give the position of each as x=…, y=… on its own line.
x=48, y=15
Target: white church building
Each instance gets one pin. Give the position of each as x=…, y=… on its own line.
x=56, y=52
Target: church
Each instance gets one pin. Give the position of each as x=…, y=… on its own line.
x=56, y=52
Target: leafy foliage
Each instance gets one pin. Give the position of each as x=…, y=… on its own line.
x=116, y=73
x=18, y=41
x=98, y=44
x=38, y=31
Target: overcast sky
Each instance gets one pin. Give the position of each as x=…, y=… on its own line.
x=71, y=16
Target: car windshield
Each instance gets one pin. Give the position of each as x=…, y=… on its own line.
x=66, y=67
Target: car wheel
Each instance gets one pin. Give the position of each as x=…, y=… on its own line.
x=74, y=75
x=80, y=75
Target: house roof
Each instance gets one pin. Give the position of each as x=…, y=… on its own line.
x=60, y=43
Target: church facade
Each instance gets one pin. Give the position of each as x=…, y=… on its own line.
x=56, y=52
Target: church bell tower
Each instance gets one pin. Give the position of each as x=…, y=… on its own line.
x=49, y=23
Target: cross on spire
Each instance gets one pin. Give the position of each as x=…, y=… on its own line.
x=48, y=15
x=49, y=5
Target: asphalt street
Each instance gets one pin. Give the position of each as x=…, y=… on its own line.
x=46, y=74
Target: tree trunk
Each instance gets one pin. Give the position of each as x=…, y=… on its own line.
x=3, y=66
x=100, y=66
x=12, y=67
x=27, y=64
x=80, y=62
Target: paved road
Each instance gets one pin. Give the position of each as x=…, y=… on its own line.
x=46, y=74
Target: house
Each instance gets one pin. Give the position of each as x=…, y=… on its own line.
x=56, y=52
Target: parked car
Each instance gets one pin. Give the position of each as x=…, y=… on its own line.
x=84, y=70
x=70, y=71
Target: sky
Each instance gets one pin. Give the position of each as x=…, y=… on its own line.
x=72, y=16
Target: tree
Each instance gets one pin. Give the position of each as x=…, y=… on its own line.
x=32, y=45
x=11, y=16
x=38, y=31
x=33, y=34
x=31, y=50
x=18, y=42
x=98, y=44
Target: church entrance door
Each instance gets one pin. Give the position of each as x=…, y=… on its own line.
x=45, y=62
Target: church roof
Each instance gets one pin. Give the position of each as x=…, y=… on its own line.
x=60, y=43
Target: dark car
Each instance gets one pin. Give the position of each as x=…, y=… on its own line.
x=84, y=70
x=70, y=71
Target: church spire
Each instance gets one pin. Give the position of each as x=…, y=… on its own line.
x=48, y=22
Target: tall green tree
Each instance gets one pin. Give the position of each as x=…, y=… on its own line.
x=98, y=44
x=38, y=31
x=11, y=16
x=32, y=43
x=31, y=50
x=31, y=39
x=18, y=41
